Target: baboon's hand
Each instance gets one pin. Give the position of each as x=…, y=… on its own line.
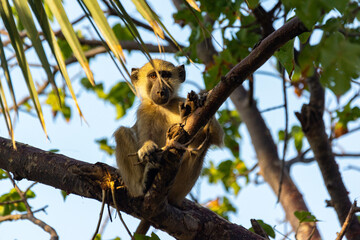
x=148, y=152
x=192, y=102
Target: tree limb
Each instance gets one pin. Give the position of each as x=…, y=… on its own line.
x=84, y=179
x=313, y=126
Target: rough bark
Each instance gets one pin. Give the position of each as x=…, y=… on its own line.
x=314, y=129
x=84, y=179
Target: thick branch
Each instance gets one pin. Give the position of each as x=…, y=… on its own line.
x=241, y=71
x=87, y=180
x=314, y=129
x=292, y=199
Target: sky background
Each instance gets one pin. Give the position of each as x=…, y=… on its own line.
x=76, y=218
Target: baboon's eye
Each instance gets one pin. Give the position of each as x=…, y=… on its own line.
x=152, y=75
x=166, y=74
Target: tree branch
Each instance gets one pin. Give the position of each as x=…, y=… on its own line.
x=314, y=128
x=236, y=76
x=87, y=180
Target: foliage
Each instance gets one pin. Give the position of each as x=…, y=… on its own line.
x=267, y=228
x=221, y=206
x=296, y=134
x=142, y=237
x=119, y=95
x=14, y=204
x=304, y=216
x=3, y=174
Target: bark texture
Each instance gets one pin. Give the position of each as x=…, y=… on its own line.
x=84, y=179
x=314, y=129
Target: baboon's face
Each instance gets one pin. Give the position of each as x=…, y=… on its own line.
x=158, y=81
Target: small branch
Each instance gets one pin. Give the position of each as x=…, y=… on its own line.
x=354, y=208
x=285, y=135
x=272, y=108
x=311, y=119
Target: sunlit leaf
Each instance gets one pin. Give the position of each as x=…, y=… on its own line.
x=285, y=55
x=8, y=20
x=6, y=114
x=304, y=216
x=149, y=15
x=64, y=194
x=103, y=143
x=221, y=206
x=100, y=20
x=193, y=4
x=5, y=68
x=26, y=18
x=3, y=174
x=40, y=13
x=68, y=31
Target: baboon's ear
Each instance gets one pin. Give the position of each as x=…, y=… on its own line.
x=182, y=73
x=134, y=75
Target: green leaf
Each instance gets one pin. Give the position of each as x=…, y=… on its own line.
x=298, y=135
x=64, y=194
x=103, y=142
x=8, y=20
x=40, y=14
x=3, y=174
x=143, y=237
x=340, y=61
x=252, y=3
x=221, y=206
x=26, y=18
x=285, y=55
x=100, y=20
x=122, y=33
x=304, y=37
x=281, y=135
x=58, y=108
x=304, y=216
x=309, y=11
x=267, y=228
x=149, y=15
x=57, y=9
x=119, y=95
x=5, y=68
x=11, y=196
x=6, y=114
x=227, y=172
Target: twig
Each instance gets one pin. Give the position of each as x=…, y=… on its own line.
x=101, y=214
x=118, y=211
x=285, y=136
x=272, y=108
x=30, y=214
x=10, y=202
x=354, y=208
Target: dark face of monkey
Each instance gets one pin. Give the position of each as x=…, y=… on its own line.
x=159, y=81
